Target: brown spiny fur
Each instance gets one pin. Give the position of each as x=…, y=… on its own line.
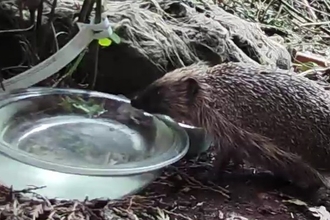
x=268, y=117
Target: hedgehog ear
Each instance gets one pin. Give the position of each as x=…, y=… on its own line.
x=192, y=88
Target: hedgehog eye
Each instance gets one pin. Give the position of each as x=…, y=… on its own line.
x=158, y=91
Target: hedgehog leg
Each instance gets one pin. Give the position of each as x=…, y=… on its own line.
x=236, y=160
x=319, y=196
x=224, y=155
x=323, y=197
x=224, y=158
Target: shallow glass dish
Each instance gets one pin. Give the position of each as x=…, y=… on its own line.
x=81, y=143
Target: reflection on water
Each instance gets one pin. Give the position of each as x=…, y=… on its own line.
x=78, y=141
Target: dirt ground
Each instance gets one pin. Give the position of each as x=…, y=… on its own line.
x=186, y=193
x=183, y=192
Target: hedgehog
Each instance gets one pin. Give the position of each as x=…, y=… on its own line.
x=269, y=117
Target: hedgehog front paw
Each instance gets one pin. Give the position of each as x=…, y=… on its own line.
x=320, y=197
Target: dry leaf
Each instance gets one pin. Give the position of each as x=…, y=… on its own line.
x=320, y=212
x=296, y=202
x=37, y=211
x=162, y=215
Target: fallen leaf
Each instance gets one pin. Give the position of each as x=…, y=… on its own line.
x=320, y=212
x=296, y=202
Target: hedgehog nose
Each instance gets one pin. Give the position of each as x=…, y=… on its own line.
x=135, y=102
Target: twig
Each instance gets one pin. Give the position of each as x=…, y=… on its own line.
x=210, y=189
x=266, y=9
x=95, y=44
x=85, y=10
x=55, y=38
x=1, y=81
x=315, y=23
x=130, y=203
x=313, y=70
x=21, y=30
x=299, y=15
x=52, y=12
x=175, y=214
x=309, y=8
x=38, y=30
x=72, y=69
x=327, y=5
x=316, y=10
x=51, y=22
x=279, y=12
x=221, y=190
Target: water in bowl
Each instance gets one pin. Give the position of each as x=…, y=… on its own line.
x=77, y=141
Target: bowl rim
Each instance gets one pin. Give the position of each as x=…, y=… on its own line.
x=183, y=125
x=172, y=155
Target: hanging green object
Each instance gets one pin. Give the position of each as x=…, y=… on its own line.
x=105, y=42
x=115, y=38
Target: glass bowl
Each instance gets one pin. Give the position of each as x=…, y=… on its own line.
x=82, y=143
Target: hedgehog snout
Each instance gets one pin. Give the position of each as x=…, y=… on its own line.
x=136, y=102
